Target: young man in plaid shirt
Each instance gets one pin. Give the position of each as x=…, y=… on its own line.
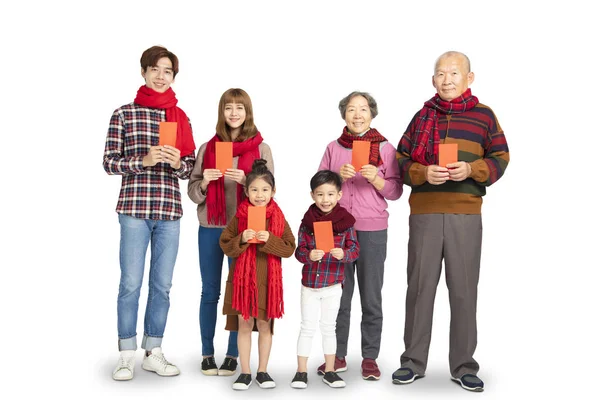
x=323, y=273
x=149, y=206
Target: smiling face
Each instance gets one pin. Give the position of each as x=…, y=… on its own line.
x=452, y=77
x=358, y=115
x=260, y=192
x=326, y=196
x=159, y=77
x=235, y=115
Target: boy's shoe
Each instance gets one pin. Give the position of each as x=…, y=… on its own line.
x=338, y=366
x=156, y=362
x=370, y=370
x=300, y=380
x=228, y=367
x=404, y=375
x=243, y=382
x=470, y=382
x=125, y=366
x=209, y=366
x=333, y=380
x=264, y=380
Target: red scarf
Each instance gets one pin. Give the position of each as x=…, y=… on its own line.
x=426, y=145
x=247, y=151
x=340, y=218
x=245, y=288
x=150, y=98
x=371, y=136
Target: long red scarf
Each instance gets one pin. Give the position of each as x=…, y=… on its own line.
x=150, y=98
x=426, y=145
x=340, y=218
x=247, y=151
x=245, y=288
x=372, y=136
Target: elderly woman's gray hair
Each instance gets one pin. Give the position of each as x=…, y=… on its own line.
x=370, y=100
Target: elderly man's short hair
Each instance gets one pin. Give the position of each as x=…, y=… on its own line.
x=451, y=54
x=370, y=100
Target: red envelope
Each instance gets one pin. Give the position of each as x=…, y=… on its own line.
x=324, y=235
x=257, y=220
x=167, y=133
x=360, y=154
x=448, y=154
x=224, y=152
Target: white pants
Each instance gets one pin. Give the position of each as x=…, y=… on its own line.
x=326, y=299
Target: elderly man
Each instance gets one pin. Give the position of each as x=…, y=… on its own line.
x=445, y=218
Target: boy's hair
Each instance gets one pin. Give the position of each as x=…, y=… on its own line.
x=260, y=170
x=325, y=176
x=151, y=56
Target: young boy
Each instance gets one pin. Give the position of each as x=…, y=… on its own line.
x=323, y=273
x=149, y=206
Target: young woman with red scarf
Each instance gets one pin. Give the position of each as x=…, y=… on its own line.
x=218, y=196
x=254, y=292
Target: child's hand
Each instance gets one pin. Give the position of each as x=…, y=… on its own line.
x=247, y=235
x=337, y=253
x=263, y=236
x=316, y=255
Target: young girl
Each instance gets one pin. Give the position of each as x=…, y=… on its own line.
x=218, y=196
x=323, y=273
x=254, y=292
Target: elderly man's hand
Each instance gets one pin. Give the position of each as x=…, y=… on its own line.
x=459, y=171
x=436, y=175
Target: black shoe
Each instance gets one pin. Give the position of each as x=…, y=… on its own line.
x=404, y=375
x=300, y=380
x=209, y=366
x=228, y=367
x=333, y=380
x=264, y=380
x=243, y=382
x=470, y=382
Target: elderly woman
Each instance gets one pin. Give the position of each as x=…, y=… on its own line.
x=365, y=192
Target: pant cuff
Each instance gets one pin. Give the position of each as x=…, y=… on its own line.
x=150, y=342
x=128, y=344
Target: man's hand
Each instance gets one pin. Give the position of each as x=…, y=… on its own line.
x=459, y=171
x=436, y=175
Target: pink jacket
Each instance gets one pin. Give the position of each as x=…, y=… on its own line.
x=367, y=204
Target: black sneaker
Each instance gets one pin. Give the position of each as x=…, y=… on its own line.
x=470, y=382
x=209, y=366
x=228, y=367
x=404, y=375
x=300, y=380
x=333, y=380
x=243, y=382
x=265, y=381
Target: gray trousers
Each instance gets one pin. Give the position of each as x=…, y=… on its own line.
x=455, y=238
x=369, y=273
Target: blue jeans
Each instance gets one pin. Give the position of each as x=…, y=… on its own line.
x=136, y=233
x=211, y=265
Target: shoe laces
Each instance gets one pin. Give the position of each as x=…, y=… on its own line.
x=160, y=358
x=124, y=362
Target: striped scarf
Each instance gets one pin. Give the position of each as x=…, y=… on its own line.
x=425, y=146
x=372, y=136
x=245, y=288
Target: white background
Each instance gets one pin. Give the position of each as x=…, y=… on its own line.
x=66, y=66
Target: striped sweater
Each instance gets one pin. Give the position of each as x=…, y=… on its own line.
x=481, y=143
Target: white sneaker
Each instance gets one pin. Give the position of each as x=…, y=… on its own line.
x=156, y=362
x=124, y=369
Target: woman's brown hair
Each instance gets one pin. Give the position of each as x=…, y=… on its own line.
x=238, y=96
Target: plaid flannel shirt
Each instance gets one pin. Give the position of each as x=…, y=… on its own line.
x=146, y=192
x=329, y=270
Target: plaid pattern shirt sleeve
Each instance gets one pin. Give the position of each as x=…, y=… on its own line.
x=329, y=271
x=151, y=192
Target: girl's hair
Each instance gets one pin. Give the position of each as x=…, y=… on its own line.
x=249, y=130
x=260, y=170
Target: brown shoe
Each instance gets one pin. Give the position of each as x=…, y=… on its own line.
x=338, y=366
x=370, y=370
